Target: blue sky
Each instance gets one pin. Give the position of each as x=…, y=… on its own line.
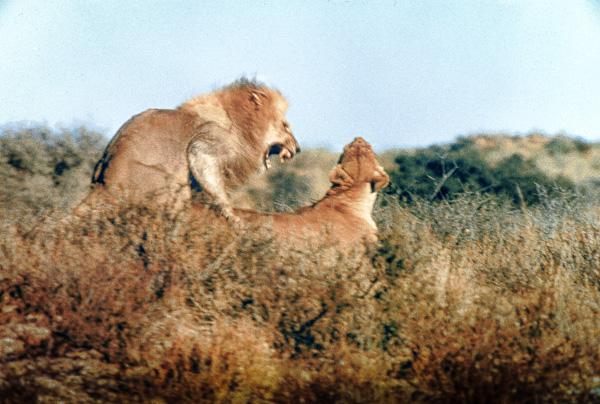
x=399, y=73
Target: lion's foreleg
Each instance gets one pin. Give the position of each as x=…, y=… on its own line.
x=206, y=170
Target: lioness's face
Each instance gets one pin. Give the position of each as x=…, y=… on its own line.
x=358, y=165
x=279, y=139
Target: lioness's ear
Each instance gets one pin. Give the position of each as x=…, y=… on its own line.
x=339, y=176
x=380, y=180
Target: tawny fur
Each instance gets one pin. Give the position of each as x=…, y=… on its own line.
x=219, y=139
x=343, y=215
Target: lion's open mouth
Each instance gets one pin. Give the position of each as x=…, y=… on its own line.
x=277, y=149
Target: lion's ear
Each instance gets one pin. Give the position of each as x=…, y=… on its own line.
x=255, y=98
x=339, y=176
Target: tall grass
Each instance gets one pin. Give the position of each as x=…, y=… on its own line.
x=473, y=299
x=469, y=300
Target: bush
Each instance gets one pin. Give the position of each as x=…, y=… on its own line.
x=434, y=175
x=42, y=168
x=563, y=145
x=439, y=173
x=285, y=191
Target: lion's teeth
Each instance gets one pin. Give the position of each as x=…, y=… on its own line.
x=285, y=155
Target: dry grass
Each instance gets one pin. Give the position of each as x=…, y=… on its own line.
x=467, y=301
x=556, y=155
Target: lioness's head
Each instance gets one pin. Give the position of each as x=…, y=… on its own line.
x=358, y=165
x=259, y=112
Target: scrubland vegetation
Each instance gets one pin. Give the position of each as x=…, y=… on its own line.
x=485, y=287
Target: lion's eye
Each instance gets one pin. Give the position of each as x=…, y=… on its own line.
x=286, y=126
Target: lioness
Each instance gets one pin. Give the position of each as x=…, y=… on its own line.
x=345, y=211
x=217, y=139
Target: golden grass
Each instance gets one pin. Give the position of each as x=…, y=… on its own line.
x=554, y=155
x=468, y=301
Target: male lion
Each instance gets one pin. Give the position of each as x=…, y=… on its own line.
x=217, y=139
x=344, y=213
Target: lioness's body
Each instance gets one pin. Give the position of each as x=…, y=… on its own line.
x=218, y=139
x=343, y=215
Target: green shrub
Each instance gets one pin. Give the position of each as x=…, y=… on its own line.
x=521, y=181
x=442, y=173
x=563, y=145
x=43, y=168
x=435, y=175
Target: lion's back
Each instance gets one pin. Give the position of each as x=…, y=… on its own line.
x=147, y=153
